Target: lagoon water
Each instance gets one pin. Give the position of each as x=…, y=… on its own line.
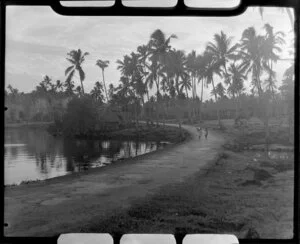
x=34, y=154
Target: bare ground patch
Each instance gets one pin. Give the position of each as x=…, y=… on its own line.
x=252, y=199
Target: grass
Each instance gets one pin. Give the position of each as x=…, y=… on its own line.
x=225, y=199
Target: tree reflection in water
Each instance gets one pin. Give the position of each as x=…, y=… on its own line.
x=43, y=156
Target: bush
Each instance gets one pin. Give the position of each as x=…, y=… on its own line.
x=80, y=118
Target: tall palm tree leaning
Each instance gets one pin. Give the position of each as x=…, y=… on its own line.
x=271, y=48
x=221, y=52
x=102, y=65
x=235, y=79
x=76, y=58
x=159, y=47
x=212, y=68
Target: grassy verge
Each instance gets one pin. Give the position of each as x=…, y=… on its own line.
x=239, y=193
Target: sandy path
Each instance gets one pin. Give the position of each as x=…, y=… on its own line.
x=65, y=204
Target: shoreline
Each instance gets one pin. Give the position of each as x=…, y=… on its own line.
x=25, y=124
x=116, y=163
x=134, y=202
x=48, y=207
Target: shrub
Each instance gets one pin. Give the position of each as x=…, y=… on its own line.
x=80, y=117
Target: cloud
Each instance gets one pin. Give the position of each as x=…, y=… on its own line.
x=38, y=39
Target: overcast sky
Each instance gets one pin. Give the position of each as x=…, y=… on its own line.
x=38, y=39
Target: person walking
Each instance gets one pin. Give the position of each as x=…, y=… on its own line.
x=200, y=133
x=199, y=129
x=206, y=133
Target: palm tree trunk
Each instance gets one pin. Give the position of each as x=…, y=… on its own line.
x=82, y=86
x=201, y=98
x=157, y=98
x=218, y=111
x=236, y=105
x=177, y=85
x=104, y=85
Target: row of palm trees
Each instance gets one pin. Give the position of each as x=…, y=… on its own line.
x=76, y=58
x=173, y=73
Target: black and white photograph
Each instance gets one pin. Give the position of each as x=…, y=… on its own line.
x=149, y=124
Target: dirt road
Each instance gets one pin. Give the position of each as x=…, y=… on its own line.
x=65, y=204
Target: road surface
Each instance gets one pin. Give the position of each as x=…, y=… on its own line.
x=65, y=204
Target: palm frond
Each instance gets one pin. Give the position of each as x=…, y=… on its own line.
x=69, y=69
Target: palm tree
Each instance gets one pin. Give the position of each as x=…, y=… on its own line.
x=178, y=67
x=142, y=54
x=201, y=64
x=59, y=86
x=220, y=90
x=111, y=90
x=69, y=85
x=152, y=77
x=252, y=56
x=212, y=68
x=191, y=64
x=257, y=55
x=102, y=65
x=287, y=90
x=222, y=50
x=271, y=49
x=159, y=47
x=46, y=83
x=235, y=79
x=186, y=84
x=76, y=58
x=96, y=92
x=78, y=90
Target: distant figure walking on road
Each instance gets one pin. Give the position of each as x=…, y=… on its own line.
x=206, y=133
x=199, y=129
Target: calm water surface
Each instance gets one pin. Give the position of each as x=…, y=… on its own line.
x=32, y=153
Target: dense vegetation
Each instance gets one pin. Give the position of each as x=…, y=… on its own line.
x=174, y=76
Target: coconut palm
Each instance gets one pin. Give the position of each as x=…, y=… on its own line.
x=186, y=84
x=143, y=53
x=102, y=64
x=212, y=68
x=159, y=47
x=76, y=58
x=152, y=77
x=191, y=64
x=97, y=91
x=69, y=85
x=271, y=50
x=222, y=49
x=78, y=90
x=124, y=66
x=252, y=56
x=59, y=86
x=235, y=79
x=178, y=67
x=111, y=90
x=220, y=90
